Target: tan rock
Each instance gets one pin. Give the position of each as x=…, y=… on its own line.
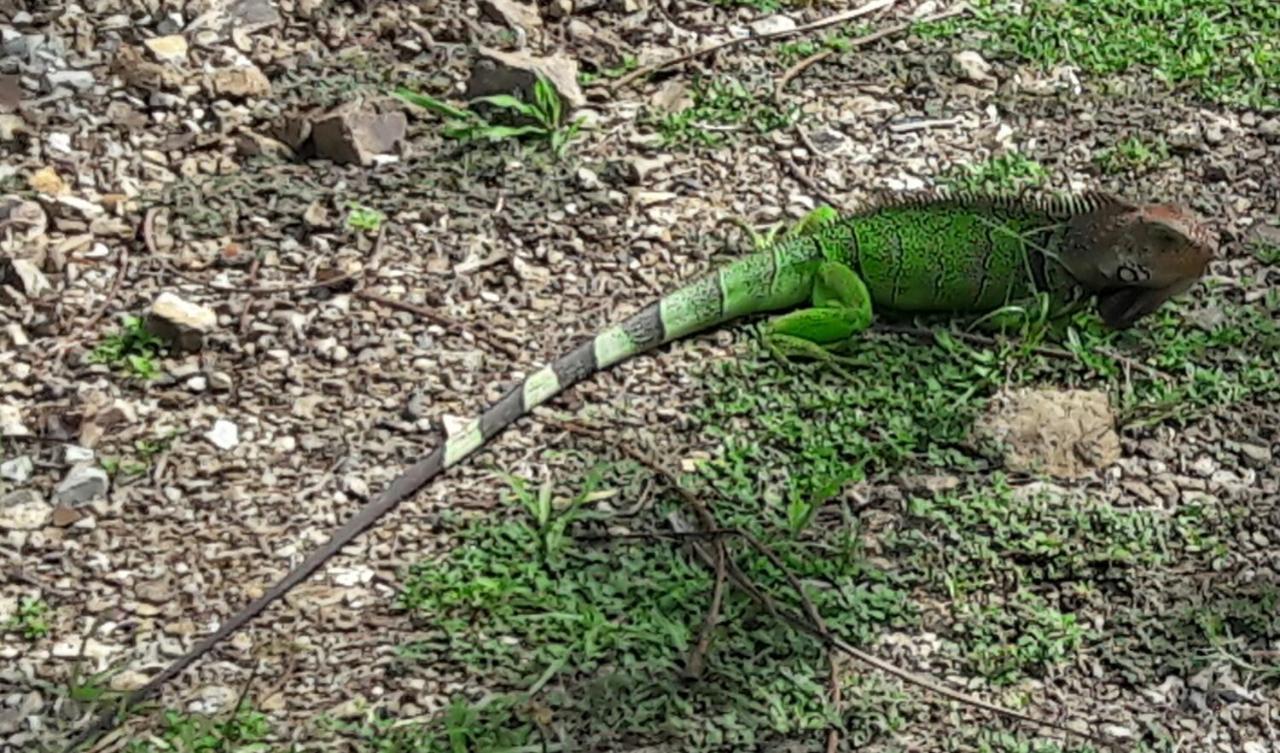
x=170, y=49
x=241, y=82
x=46, y=180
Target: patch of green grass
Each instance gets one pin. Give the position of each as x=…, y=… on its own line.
x=133, y=349
x=597, y=633
x=999, y=741
x=1267, y=253
x=543, y=118
x=1132, y=154
x=363, y=218
x=721, y=109
x=1002, y=173
x=241, y=732
x=629, y=63
x=29, y=620
x=839, y=41
x=494, y=723
x=1216, y=356
x=117, y=467
x=966, y=547
x=145, y=449
x=759, y=6
x=1224, y=50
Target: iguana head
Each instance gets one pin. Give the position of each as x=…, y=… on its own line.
x=1137, y=256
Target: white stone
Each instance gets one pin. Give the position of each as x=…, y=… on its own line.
x=18, y=469
x=224, y=435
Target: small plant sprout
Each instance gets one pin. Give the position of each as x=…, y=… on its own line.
x=543, y=117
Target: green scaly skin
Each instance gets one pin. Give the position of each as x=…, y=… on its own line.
x=924, y=254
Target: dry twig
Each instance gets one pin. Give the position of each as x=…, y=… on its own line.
x=838, y=18
x=862, y=41
x=808, y=626
x=444, y=321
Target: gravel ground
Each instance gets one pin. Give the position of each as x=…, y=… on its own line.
x=148, y=168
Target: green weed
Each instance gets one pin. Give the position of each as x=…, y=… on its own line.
x=628, y=64
x=133, y=349
x=242, y=732
x=364, y=218
x=1132, y=154
x=1007, y=172
x=1267, y=253
x=721, y=108
x=543, y=117
x=759, y=6
x=29, y=620
x=839, y=41
x=145, y=449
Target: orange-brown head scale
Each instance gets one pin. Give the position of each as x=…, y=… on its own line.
x=1137, y=256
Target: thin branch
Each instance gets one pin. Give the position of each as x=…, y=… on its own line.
x=834, y=20
x=807, y=626
x=444, y=321
x=264, y=290
x=148, y=223
x=248, y=304
x=864, y=40
x=696, y=657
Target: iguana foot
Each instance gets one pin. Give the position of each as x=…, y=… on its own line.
x=841, y=309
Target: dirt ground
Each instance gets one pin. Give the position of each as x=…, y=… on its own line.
x=153, y=156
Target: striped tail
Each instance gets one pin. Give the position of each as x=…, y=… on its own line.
x=781, y=277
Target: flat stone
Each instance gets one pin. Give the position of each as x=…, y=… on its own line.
x=83, y=483
x=349, y=135
x=169, y=49
x=11, y=421
x=127, y=680
x=499, y=72
x=10, y=91
x=11, y=125
x=74, y=454
x=83, y=207
x=179, y=322
x=26, y=276
x=251, y=15
x=64, y=516
x=78, y=81
x=240, y=82
x=513, y=14
x=18, y=469
x=775, y=24
x=24, y=510
x=971, y=66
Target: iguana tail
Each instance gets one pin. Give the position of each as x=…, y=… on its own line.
x=777, y=278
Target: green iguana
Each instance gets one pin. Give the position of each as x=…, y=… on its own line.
x=923, y=252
